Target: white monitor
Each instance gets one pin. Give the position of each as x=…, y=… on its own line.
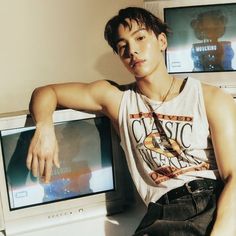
x=189, y=53
x=87, y=184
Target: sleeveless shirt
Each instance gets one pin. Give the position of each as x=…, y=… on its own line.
x=154, y=168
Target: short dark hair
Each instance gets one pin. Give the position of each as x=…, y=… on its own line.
x=141, y=16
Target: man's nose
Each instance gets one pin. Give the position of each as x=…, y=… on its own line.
x=133, y=50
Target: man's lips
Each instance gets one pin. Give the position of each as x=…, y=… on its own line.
x=136, y=62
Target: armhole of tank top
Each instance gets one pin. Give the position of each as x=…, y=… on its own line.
x=202, y=106
x=121, y=108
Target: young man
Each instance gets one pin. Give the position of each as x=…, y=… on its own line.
x=178, y=135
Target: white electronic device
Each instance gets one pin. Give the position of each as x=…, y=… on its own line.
x=89, y=182
x=191, y=50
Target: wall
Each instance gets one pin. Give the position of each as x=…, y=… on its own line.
x=52, y=41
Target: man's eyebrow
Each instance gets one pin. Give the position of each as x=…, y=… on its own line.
x=135, y=32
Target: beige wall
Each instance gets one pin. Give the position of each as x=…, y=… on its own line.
x=51, y=41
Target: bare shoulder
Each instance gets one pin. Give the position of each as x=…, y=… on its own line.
x=108, y=89
x=103, y=84
x=104, y=88
x=110, y=96
x=218, y=103
x=216, y=96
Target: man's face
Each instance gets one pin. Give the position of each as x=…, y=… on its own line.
x=139, y=49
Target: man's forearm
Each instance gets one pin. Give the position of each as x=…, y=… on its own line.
x=226, y=211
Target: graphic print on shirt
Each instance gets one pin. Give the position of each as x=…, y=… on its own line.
x=165, y=159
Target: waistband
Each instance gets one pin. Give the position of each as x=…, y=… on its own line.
x=192, y=187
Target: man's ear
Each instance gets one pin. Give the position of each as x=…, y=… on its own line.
x=162, y=39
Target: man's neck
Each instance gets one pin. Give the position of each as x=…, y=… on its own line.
x=155, y=88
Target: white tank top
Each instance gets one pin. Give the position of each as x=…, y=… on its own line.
x=154, y=168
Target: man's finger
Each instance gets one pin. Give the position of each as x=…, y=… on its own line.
x=29, y=160
x=41, y=166
x=56, y=158
x=48, y=171
x=34, y=166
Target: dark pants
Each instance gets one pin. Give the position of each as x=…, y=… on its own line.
x=189, y=215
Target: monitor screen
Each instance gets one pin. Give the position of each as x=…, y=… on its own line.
x=86, y=164
x=203, y=38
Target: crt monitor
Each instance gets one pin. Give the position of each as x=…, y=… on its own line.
x=203, y=38
x=85, y=184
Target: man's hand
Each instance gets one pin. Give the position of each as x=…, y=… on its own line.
x=43, y=152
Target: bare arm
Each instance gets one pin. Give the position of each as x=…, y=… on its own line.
x=221, y=111
x=97, y=96
x=80, y=96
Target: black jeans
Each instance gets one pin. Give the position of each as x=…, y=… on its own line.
x=190, y=215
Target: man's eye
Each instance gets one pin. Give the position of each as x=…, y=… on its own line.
x=140, y=38
x=121, y=48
